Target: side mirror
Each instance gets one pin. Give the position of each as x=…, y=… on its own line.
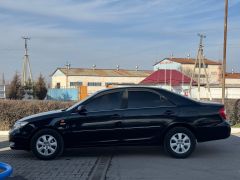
x=81, y=109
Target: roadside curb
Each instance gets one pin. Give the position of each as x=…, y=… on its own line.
x=235, y=130
x=4, y=133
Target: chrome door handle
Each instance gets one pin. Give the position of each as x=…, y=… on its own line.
x=168, y=112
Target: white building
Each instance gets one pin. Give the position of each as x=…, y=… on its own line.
x=186, y=65
x=233, y=78
x=95, y=79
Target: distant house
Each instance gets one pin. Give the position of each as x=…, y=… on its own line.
x=233, y=78
x=95, y=79
x=186, y=65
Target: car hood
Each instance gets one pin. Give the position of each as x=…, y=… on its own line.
x=43, y=115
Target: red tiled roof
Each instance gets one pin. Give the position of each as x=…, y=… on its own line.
x=191, y=61
x=158, y=77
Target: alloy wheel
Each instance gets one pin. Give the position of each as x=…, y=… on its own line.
x=180, y=143
x=46, y=145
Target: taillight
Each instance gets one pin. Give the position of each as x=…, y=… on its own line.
x=222, y=113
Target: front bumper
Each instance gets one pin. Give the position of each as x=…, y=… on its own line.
x=18, y=141
x=220, y=131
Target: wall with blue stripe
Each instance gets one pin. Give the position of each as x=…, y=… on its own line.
x=63, y=94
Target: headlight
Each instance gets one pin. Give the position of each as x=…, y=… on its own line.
x=18, y=125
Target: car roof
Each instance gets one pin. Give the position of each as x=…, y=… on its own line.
x=112, y=89
x=135, y=87
x=178, y=99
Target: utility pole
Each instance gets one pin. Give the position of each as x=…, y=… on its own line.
x=200, y=63
x=165, y=75
x=3, y=87
x=170, y=79
x=224, y=51
x=3, y=79
x=26, y=64
x=182, y=80
x=158, y=75
x=68, y=67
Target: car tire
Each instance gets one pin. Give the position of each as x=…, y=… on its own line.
x=179, y=142
x=47, y=144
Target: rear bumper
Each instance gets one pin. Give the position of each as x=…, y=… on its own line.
x=220, y=131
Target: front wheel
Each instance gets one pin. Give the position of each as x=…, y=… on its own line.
x=47, y=144
x=179, y=142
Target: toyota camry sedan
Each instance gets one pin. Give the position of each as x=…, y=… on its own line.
x=123, y=116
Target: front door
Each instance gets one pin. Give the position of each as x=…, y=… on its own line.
x=100, y=124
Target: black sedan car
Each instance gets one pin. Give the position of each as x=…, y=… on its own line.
x=123, y=116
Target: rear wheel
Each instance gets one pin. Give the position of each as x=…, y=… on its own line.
x=179, y=142
x=47, y=144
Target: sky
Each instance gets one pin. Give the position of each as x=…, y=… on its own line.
x=108, y=33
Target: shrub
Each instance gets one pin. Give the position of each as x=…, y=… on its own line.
x=12, y=110
x=40, y=88
x=15, y=89
x=232, y=109
x=236, y=113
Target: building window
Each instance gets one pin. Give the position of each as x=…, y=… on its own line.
x=94, y=84
x=206, y=65
x=201, y=76
x=76, y=84
x=109, y=83
x=58, y=85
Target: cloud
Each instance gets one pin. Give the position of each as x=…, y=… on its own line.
x=110, y=10
x=110, y=32
x=91, y=10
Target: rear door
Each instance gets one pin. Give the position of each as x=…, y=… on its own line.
x=147, y=114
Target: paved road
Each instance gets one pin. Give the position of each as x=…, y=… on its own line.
x=213, y=160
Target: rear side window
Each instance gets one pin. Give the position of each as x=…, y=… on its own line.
x=105, y=102
x=141, y=99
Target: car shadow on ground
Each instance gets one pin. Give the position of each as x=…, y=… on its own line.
x=110, y=151
x=205, y=149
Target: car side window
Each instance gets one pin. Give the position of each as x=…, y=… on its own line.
x=141, y=99
x=105, y=102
